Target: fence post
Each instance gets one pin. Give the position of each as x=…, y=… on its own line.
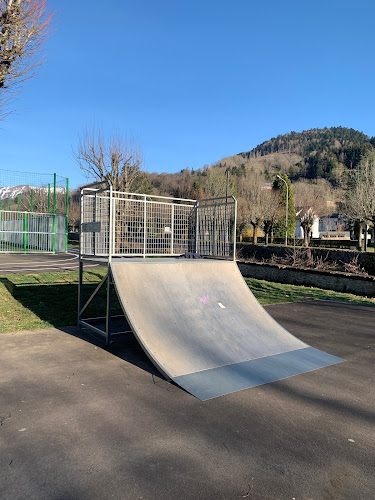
x=172, y=229
x=18, y=202
x=144, y=227
x=67, y=213
x=214, y=253
x=25, y=232
x=31, y=200
x=235, y=229
x=49, y=198
x=196, y=227
x=54, y=215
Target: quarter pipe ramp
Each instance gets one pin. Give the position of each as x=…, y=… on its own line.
x=202, y=327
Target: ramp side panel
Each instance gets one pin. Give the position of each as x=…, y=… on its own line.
x=216, y=382
x=192, y=316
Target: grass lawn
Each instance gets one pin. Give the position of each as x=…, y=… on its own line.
x=34, y=301
x=276, y=293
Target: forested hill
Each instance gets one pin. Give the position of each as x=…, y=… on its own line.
x=328, y=153
x=312, y=141
x=319, y=153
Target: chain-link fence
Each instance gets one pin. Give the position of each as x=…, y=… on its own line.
x=33, y=212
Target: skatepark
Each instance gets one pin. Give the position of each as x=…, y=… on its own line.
x=81, y=419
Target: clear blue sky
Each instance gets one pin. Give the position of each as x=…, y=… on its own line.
x=193, y=81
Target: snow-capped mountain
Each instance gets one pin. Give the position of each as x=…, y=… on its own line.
x=13, y=191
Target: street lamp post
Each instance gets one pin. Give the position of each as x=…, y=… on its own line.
x=286, y=209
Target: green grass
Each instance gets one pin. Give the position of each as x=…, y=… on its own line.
x=34, y=301
x=275, y=293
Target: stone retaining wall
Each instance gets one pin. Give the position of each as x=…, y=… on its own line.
x=366, y=260
x=339, y=282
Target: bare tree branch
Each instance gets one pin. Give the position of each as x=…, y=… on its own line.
x=116, y=158
x=24, y=27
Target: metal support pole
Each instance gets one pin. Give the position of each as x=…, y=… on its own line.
x=235, y=229
x=54, y=193
x=80, y=279
x=54, y=215
x=94, y=220
x=49, y=198
x=144, y=227
x=67, y=214
x=214, y=234
x=53, y=233
x=18, y=202
x=109, y=308
x=196, y=227
x=286, y=209
x=25, y=233
x=286, y=217
x=112, y=220
x=31, y=200
x=172, y=229
x=226, y=213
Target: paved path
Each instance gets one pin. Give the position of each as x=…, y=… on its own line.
x=79, y=421
x=36, y=262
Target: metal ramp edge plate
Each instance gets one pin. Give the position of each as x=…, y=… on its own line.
x=202, y=327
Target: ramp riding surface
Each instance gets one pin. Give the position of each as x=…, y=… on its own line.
x=202, y=327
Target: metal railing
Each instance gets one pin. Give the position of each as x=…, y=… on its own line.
x=22, y=232
x=215, y=227
x=131, y=224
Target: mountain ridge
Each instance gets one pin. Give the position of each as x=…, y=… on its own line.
x=328, y=153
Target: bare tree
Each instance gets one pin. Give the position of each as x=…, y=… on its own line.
x=74, y=209
x=115, y=158
x=215, y=182
x=359, y=201
x=310, y=202
x=256, y=203
x=365, y=184
x=24, y=27
x=273, y=212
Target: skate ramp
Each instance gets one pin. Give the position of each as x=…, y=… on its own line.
x=202, y=327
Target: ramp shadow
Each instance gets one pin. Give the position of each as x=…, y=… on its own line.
x=125, y=346
x=56, y=304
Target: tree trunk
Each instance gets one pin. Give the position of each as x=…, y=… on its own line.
x=255, y=236
x=360, y=229
x=306, y=234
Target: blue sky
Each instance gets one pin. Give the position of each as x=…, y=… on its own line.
x=192, y=81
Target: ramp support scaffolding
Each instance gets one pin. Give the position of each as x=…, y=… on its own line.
x=101, y=325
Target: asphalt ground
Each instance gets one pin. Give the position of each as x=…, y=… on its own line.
x=81, y=421
x=37, y=262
